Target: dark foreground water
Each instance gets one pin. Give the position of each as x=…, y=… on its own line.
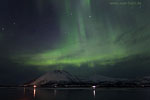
x=75, y=94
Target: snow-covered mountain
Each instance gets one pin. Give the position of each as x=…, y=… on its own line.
x=61, y=77
x=56, y=76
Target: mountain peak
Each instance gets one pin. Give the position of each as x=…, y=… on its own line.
x=55, y=76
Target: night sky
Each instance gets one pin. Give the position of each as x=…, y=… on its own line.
x=84, y=37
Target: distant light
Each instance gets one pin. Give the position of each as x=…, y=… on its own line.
x=55, y=86
x=34, y=86
x=93, y=86
x=142, y=85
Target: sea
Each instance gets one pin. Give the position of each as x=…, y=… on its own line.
x=23, y=93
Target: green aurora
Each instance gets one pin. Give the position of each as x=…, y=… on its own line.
x=93, y=32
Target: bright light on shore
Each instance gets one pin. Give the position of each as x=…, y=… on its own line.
x=34, y=86
x=93, y=86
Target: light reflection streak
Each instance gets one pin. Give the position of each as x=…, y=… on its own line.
x=94, y=93
x=34, y=92
x=24, y=91
x=55, y=92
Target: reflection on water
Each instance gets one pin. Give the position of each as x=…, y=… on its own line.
x=34, y=92
x=55, y=92
x=75, y=94
x=24, y=89
x=94, y=93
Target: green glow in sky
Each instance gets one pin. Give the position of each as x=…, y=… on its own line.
x=90, y=37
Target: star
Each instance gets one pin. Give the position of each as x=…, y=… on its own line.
x=3, y=28
x=90, y=16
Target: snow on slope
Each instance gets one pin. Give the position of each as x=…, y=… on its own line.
x=60, y=76
x=55, y=76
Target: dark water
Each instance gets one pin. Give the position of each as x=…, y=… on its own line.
x=75, y=94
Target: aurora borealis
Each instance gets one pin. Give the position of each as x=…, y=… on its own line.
x=89, y=35
x=82, y=34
